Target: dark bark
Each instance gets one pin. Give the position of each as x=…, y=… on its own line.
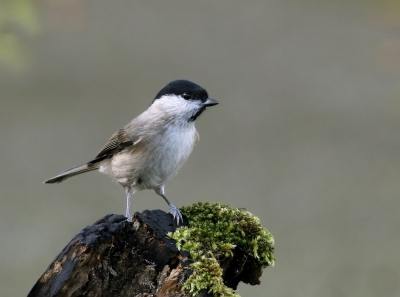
x=114, y=257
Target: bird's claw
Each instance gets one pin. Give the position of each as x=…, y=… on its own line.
x=175, y=213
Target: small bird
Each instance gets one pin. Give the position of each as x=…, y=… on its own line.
x=147, y=152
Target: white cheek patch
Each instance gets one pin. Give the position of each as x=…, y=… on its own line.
x=176, y=106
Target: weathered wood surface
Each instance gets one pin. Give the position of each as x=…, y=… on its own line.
x=114, y=257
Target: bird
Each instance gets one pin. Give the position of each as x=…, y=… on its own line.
x=148, y=151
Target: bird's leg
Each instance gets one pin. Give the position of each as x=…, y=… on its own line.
x=172, y=208
x=128, y=204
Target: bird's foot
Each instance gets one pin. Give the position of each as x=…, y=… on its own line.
x=128, y=217
x=175, y=213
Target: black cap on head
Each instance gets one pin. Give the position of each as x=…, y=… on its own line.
x=179, y=87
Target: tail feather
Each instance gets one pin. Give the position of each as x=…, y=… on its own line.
x=71, y=172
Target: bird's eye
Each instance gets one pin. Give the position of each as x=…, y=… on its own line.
x=187, y=96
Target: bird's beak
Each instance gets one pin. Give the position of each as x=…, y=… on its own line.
x=210, y=102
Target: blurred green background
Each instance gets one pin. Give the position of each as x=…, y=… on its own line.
x=306, y=135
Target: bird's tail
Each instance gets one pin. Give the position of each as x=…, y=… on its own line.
x=71, y=172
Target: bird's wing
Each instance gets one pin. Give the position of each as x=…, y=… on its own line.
x=117, y=143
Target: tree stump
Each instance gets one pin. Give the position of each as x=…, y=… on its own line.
x=114, y=257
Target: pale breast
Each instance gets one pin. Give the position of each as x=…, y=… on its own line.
x=151, y=163
x=169, y=156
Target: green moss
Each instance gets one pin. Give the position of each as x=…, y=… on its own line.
x=214, y=231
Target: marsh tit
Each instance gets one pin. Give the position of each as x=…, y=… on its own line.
x=149, y=151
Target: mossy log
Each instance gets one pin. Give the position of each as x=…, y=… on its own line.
x=114, y=257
